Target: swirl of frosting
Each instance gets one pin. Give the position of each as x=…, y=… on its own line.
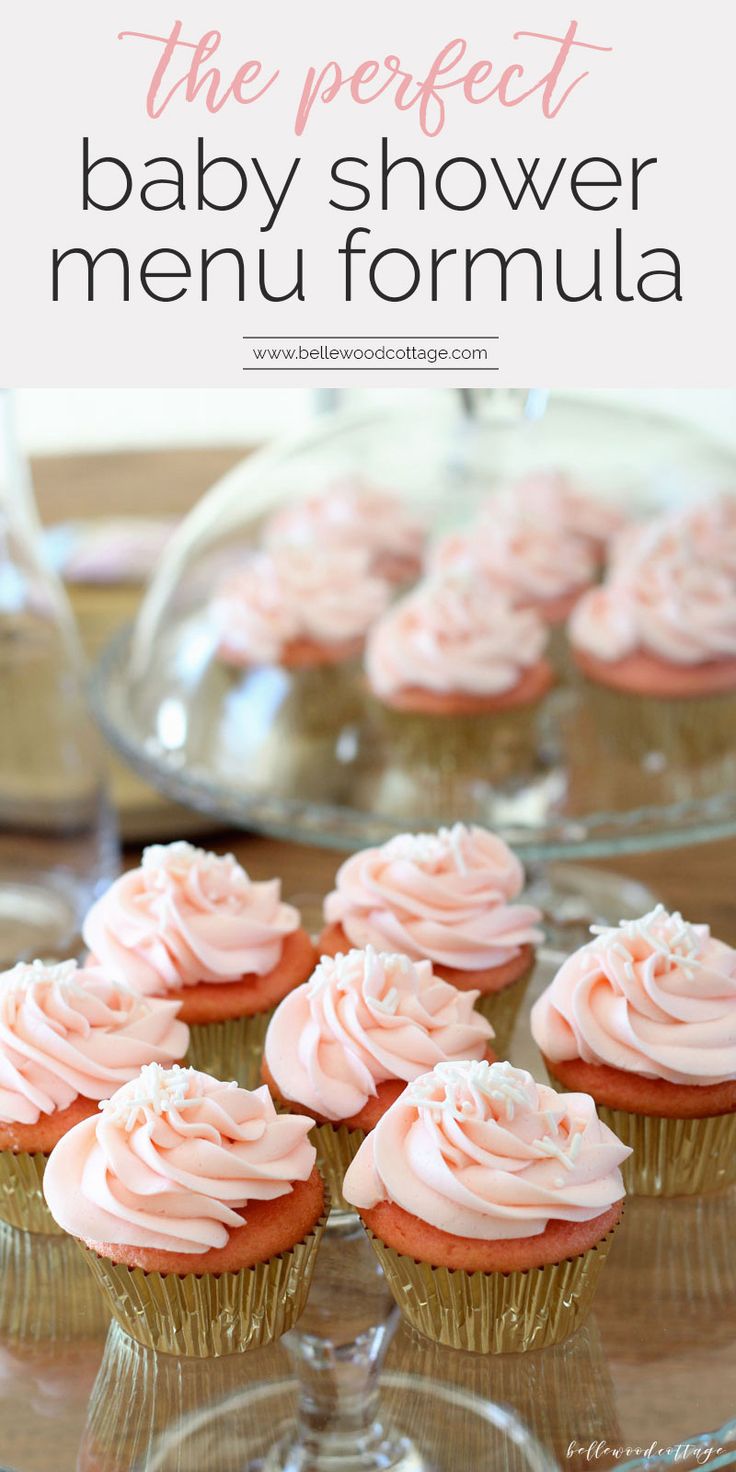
x=453, y=633
x=704, y=533
x=667, y=606
x=330, y=597
x=550, y=498
x=66, y=1031
x=172, y=1161
x=529, y=560
x=446, y=897
x=187, y=916
x=481, y=1150
x=362, y=1018
x=655, y=997
x=349, y=515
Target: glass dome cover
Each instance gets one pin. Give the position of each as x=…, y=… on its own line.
x=304, y=752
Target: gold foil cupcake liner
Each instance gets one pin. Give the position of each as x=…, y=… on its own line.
x=231, y=1049
x=22, y=1202
x=46, y=1292
x=494, y=1313
x=687, y=732
x=336, y=1147
x=675, y=1157
x=215, y=1313
x=501, y=1009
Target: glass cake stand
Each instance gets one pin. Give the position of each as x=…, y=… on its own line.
x=307, y=757
x=647, y=1382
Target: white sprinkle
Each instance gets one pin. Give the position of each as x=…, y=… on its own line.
x=675, y=941
x=156, y=1091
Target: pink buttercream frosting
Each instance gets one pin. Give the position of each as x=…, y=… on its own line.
x=668, y=606
x=67, y=1031
x=655, y=997
x=551, y=498
x=481, y=1150
x=447, y=897
x=187, y=916
x=172, y=1161
x=327, y=596
x=453, y=633
x=704, y=533
x=350, y=515
x=363, y=1018
x=530, y=560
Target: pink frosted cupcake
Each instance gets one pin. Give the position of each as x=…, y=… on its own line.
x=459, y=674
x=68, y=1038
x=553, y=498
x=343, y=1047
x=490, y=1202
x=302, y=608
x=661, y=633
x=454, y=646
x=644, y=1019
x=192, y=926
x=198, y=1208
x=450, y=898
x=351, y=516
x=533, y=562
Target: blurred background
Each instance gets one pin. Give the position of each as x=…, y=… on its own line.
x=55, y=420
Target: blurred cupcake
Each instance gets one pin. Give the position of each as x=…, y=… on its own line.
x=644, y=1019
x=191, y=926
x=449, y=898
x=661, y=635
x=459, y=674
x=344, y=1047
x=535, y=563
x=352, y=516
x=302, y=608
x=291, y=627
x=68, y=1038
x=198, y=1207
x=490, y=1201
x=704, y=533
x=551, y=497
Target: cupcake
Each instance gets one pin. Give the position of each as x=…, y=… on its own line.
x=192, y=927
x=343, y=1047
x=552, y=498
x=535, y=563
x=644, y=1019
x=490, y=1201
x=352, y=516
x=198, y=1208
x=661, y=635
x=299, y=608
x=449, y=898
x=458, y=673
x=69, y=1036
